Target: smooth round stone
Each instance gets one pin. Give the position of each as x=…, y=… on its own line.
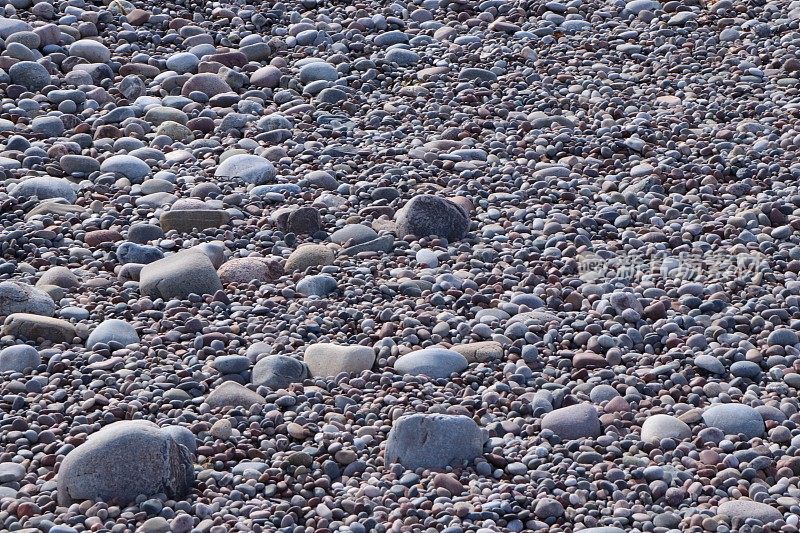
x=603, y=393
x=268, y=76
x=183, y=62
x=48, y=126
x=90, y=50
x=353, y=233
x=318, y=71
x=278, y=372
x=745, y=369
x=427, y=258
x=782, y=337
x=232, y=394
x=744, y=509
x=205, y=83
x=403, y=57
x=308, y=256
x=231, y=364
x=320, y=285
x=79, y=164
x=735, y=418
x=131, y=167
x=11, y=472
x=325, y=359
x=659, y=427
x=249, y=168
x=123, y=460
x=45, y=188
x=30, y=75
x=18, y=358
x=433, y=362
x=113, y=330
x=143, y=233
x=573, y=422
x=709, y=363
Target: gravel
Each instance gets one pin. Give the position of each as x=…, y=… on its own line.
x=422, y=265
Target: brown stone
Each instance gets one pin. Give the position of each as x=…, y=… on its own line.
x=29, y=327
x=101, y=236
x=185, y=221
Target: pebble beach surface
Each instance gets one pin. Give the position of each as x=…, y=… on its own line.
x=414, y=266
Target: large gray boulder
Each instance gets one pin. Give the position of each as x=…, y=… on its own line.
x=659, y=427
x=431, y=215
x=325, y=359
x=278, y=372
x=246, y=167
x=179, y=275
x=18, y=297
x=573, y=422
x=232, y=394
x=113, y=330
x=434, y=362
x=735, y=418
x=28, y=327
x=122, y=461
x=744, y=509
x=44, y=188
x=434, y=441
x=18, y=358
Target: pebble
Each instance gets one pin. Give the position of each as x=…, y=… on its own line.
x=316, y=219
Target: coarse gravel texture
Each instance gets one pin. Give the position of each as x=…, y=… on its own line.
x=608, y=300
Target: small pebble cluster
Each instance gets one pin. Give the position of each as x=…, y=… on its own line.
x=315, y=266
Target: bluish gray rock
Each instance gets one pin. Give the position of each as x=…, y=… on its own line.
x=232, y=394
x=658, y=427
x=19, y=357
x=114, y=330
x=30, y=75
x=129, y=166
x=434, y=441
x=433, y=362
x=278, y=372
x=182, y=435
x=44, y=188
x=90, y=50
x=319, y=285
x=782, y=337
x=179, y=275
x=231, y=364
x=709, y=363
x=735, y=418
x=130, y=252
x=573, y=422
x=744, y=509
x=123, y=460
x=18, y=297
x=249, y=168
x=430, y=215
x=318, y=71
